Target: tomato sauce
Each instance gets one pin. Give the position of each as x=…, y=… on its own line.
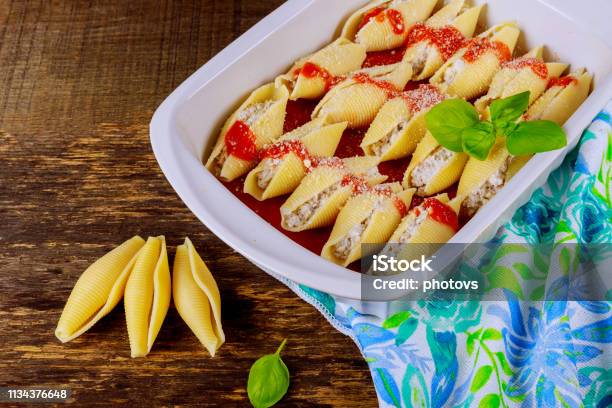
x=240, y=141
x=297, y=114
x=563, y=82
x=537, y=66
x=441, y=213
x=478, y=46
x=447, y=39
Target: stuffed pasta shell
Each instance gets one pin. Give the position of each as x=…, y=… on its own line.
x=257, y=122
x=312, y=76
x=196, y=297
x=563, y=96
x=433, y=168
x=383, y=25
x=469, y=72
x=433, y=42
x=357, y=99
x=482, y=179
x=318, y=199
x=147, y=296
x=369, y=217
x=400, y=123
x=527, y=73
x=284, y=163
x=434, y=221
x=98, y=290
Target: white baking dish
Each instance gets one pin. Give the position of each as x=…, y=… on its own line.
x=186, y=124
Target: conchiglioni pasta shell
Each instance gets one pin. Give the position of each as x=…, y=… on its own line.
x=387, y=118
x=446, y=14
x=426, y=146
x=477, y=171
x=465, y=23
x=197, y=298
x=358, y=103
x=98, y=290
x=445, y=177
x=360, y=164
x=323, y=142
x=385, y=219
x=147, y=296
x=268, y=127
x=508, y=82
x=516, y=164
x=379, y=35
x=288, y=176
x=325, y=214
x=407, y=139
x=351, y=26
x=558, y=104
x=320, y=140
x=474, y=78
x=315, y=182
x=338, y=58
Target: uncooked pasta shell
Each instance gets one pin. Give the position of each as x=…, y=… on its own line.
x=98, y=290
x=147, y=296
x=196, y=297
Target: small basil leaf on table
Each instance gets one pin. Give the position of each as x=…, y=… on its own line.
x=509, y=109
x=535, y=137
x=448, y=119
x=268, y=379
x=478, y=140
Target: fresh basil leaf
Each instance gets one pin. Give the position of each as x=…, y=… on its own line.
x=478, y=140
x=508, y=109
x=535, y=137
x=448, y=119
x=268, y=380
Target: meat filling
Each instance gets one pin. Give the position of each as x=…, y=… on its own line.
x=428, y=168
x=344, y=247
x=480, y=196
x=383, y=145
x=302, y=214
x=452, y=71
x=268, y=171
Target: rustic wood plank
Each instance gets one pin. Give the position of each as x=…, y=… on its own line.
x=79, y=81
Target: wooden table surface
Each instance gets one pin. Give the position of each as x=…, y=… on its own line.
x=79, y=82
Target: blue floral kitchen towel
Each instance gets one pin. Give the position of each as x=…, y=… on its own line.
x=509, y=353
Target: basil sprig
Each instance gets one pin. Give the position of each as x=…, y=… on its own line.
x=268, y=379
x=456, y=125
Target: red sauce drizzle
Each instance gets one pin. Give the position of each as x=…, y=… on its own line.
x=397, y=21
x=476, y=47
x=388, y=57
x=240, y=141
x=393, y=16
x=389, y=88
x=563, y=82
x=423, y=97
x=448, y=39
x=282, y=148
x=298, y=113
x=311, y=70
x=441, y=213
x=375, y=12
x=537, y=66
